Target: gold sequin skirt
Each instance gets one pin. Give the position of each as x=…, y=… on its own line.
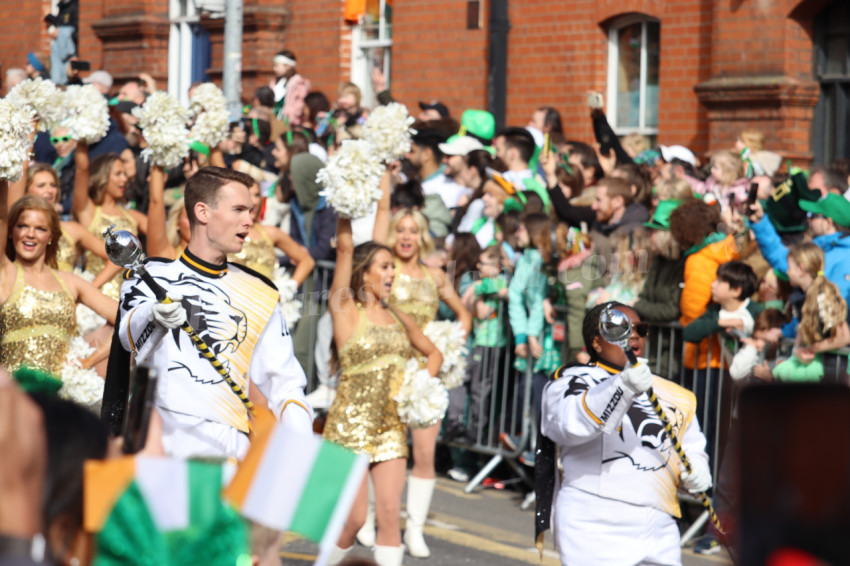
x=364, y=416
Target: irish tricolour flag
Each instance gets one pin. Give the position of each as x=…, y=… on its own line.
x=295, y=482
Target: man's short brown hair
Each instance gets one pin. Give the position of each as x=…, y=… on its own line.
x=617, y=187
x=204, y=186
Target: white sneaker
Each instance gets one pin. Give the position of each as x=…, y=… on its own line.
x=458, y=474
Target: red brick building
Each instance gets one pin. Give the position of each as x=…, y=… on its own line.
x=693, y=72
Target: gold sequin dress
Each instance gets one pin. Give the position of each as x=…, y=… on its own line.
x=364, y=416
x=257, y=254
x=66, y=252
x=418, y=298
x=95, y=264
x=36, y=326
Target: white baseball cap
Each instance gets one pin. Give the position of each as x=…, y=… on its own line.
x=460, y=145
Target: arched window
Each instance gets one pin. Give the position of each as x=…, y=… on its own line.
x=633, y=58
x=831, y=127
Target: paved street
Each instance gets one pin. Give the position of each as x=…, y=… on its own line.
x=485, y=528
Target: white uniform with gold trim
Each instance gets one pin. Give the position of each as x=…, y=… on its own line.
x=616, y=502
x=237, y=314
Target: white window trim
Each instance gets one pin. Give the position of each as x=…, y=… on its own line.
x=613, y=67
x=180, y=48
x=359, y=64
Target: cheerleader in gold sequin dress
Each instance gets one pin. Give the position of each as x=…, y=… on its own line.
x=417, y=290
x=98, y=203
x=373, y=342
x=37, y=302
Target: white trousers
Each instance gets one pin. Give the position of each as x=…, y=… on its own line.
x=187, y=436
x=592, y=530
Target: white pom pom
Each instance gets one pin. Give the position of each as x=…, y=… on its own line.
x=450, y=339
x=211, y=120
x=388, y=129
x=83, y=386
x=45, y=100
x=422, y=400
x=163, y=122
x=14, y=128
x=87, y=113
x=351, y=179
x=290, y=307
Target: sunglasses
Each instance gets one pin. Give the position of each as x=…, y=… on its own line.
x=55, y=140
x=642, y=329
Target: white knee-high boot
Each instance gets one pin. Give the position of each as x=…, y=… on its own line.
x=337, y=555
x=419, y=491
x=366, y=534
x=389, y=555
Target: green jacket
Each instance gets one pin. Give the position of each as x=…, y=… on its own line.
x=662, y=290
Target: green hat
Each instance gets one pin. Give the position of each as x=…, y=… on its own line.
x=832, y=206
x=479, y=123
x=661, y=217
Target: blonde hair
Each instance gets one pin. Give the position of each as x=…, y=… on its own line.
x=731, y=167
x=667, y=245
x=673, y=189
x=809, y=257
x=426, y=244
x=753, y=139
x=37, y=168
x=350, y=88
x=633, y=257
x=101, y=170
x=172, y=224
x=824, y=310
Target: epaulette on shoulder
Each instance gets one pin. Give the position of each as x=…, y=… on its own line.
x=259, y=276
x=129, y=273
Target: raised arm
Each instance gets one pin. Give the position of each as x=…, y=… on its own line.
x=216, y=157
x=297, y=253
x=4, y=218
x=82, y=206
x=157, y=238
x=344, y=259
x=421, y=342
x=381, y=233
x=19, y=187
x=449, y=296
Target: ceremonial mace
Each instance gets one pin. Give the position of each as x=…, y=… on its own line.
x=124, y=249
x=616, y=328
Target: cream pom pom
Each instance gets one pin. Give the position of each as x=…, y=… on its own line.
x=290, y=307
x=351, y=179
x=388, y=129
x=208, y=108
x=87, y=113
x=82, y=386
x=45, y=100
x=422, y=400
x=163, y=122
x=450, y=339
x=15, y=126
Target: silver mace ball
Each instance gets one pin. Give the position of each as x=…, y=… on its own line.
x=615, y=327
x=123, y=248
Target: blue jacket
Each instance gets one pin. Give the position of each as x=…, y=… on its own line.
x=836, y=249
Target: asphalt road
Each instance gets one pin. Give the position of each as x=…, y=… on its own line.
x=484, y=528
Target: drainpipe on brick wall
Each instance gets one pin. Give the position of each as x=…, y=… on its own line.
x=232, y=63
x=497, y=74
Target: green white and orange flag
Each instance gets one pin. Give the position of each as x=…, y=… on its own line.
x=290, y=481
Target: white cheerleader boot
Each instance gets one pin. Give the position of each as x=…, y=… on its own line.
x=419, y=491
x=388, y=555
x=337, y=555
x=366, y=534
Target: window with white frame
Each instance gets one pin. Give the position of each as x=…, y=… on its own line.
x=182, y=48
x=371, y=43
x=633, y=61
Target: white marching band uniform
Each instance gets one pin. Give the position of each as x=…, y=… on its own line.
x=237, y=314
x=617, y=500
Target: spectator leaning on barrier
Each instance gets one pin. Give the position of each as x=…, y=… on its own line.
x=662, y=290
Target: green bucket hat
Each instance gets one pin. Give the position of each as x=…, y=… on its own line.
x=661, y=217
x=832, y=206
x=479, y=123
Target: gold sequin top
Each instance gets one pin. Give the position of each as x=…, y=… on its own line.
x=418, y=298
x=36, y=326
x=364, y=416
x=257, y=254
x=66, y=252
x=95, y=264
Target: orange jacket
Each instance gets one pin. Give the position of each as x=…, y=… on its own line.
x=700, y=272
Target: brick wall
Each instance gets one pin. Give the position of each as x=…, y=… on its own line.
x=315, y=34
